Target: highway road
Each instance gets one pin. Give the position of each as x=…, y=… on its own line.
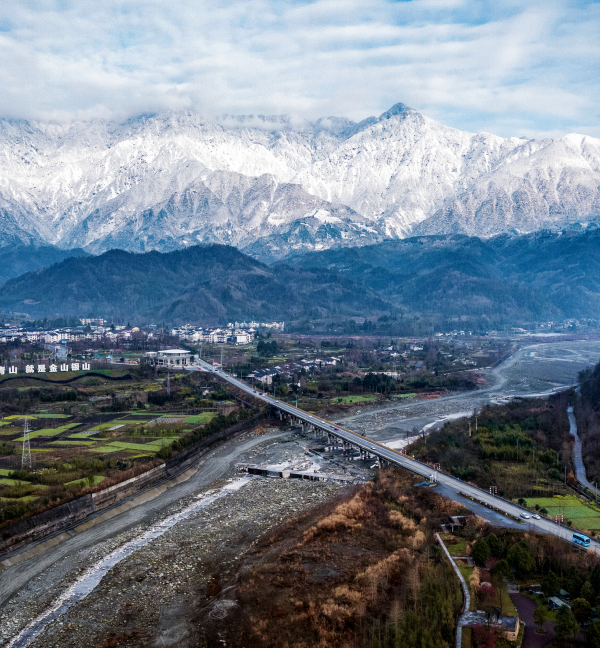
x=451, y=484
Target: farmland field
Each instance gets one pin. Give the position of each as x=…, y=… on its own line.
x=571, y=507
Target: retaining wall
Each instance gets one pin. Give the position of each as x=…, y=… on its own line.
x=45, y=523
x=42, y=524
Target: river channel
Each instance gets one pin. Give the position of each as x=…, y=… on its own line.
x=534, y=370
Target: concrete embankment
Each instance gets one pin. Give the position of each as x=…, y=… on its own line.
x=69, y=514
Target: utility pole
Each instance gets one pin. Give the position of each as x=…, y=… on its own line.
x=168, y=382
x=26, y=457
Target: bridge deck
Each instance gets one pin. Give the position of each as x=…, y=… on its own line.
x=389, y=455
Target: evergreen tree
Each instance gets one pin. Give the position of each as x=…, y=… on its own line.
x=595, y=579
x=565, y=624
x=521, y=559
x=540, y=615
x=593, y=635
x=581, y=610
x=550, y=584
x=573, y=581
x=496, y=546
x=502, y=567
x=587, y=592
x=481, y=552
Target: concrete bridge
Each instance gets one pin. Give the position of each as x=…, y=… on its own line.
x=334, y=436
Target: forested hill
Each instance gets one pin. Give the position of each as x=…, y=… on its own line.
x=546, y=275
x=18, y=259
x=201, y=283
x=447, y=282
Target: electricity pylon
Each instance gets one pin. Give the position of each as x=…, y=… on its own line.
x=26, y=458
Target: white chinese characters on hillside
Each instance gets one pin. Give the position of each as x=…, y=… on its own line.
x=75, y=366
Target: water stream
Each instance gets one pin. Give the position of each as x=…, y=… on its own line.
x=91, y=578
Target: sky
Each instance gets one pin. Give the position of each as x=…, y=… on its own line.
x=514, y=68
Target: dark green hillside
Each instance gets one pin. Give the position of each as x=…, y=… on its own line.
x=17, y=260
x=413, y=284
x=546, y=275
x=198, y=283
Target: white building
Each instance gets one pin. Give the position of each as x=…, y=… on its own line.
x=174, y=358
x=241, y=337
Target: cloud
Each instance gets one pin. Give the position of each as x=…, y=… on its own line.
x=477, y=65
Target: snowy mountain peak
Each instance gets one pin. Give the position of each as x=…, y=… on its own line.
x=397, y=109
x=276, y=185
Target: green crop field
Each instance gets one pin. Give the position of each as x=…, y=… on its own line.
x=50, y=432
x=356, y=399
x=118, y=446
x=80, y=483
x=571, y=507
x=205, y=417
x=74, y=443
x=16, y=417
x=28, y=498
x=458, y=549
x=5, y=472
x=53, y=416
x=15, y=482
x=4, y=481
x=107, y=449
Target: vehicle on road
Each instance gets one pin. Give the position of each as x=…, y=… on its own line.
x=535, y=516
x=525, y=516
x=581, y=540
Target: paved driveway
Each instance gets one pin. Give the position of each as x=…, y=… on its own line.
x=525, y=607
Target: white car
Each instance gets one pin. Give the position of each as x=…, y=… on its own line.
x=525, y=516
x=535, y=516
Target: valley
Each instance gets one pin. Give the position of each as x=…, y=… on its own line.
x=533, y=370
x=299, y=324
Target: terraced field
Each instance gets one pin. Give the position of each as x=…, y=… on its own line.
x=67, y=449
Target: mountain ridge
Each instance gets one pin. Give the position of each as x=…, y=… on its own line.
x=96, y=184
x=449, y=281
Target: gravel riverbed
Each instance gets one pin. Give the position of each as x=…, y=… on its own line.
x=157, y=595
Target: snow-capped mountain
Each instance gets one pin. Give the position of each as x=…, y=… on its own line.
x=274, y=185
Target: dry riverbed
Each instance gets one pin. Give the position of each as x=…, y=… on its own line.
x=162, y=594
